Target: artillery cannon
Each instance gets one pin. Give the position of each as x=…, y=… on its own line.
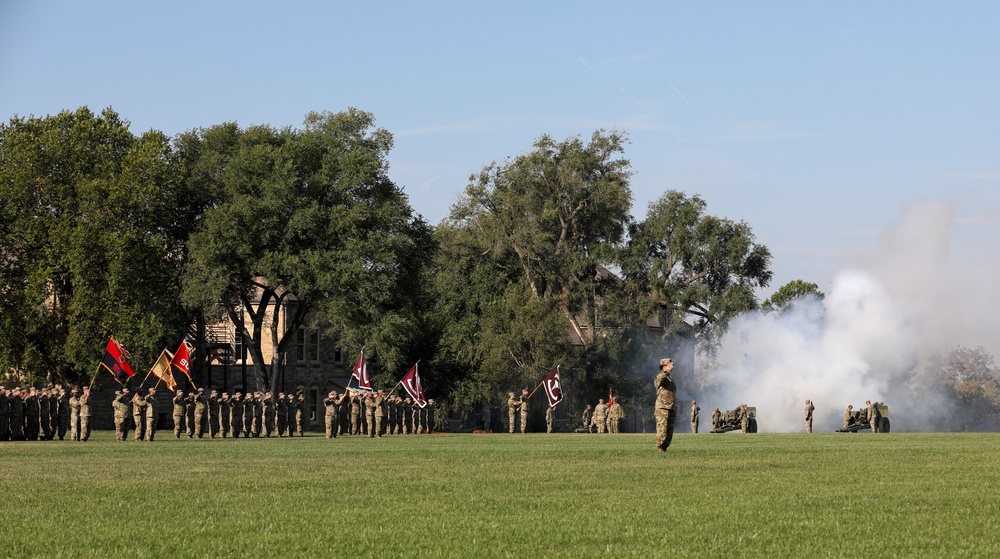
x=730, y=421
x=859, y=420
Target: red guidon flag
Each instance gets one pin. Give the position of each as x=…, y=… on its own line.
x=611, y=397
x=553, y=387
x=182, y=360
x=411, y=383
x=360, y=372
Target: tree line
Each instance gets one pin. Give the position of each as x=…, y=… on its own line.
x=539, y=262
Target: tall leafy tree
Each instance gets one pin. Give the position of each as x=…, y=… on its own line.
x=692, y=269
x=92, y=226
x=787, y=294
x=305, y=220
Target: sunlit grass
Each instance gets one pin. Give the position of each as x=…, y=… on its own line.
x=536, y=495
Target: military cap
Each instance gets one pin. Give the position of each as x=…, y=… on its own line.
x=118, y=392
x=201, y=391
x=124, y=390
x=666, y=361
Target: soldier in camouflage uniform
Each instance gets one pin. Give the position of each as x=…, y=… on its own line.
x=236, y=415
x=695, y=416
x=379, y=403
x=138, y=414
x=873, y=415
x=512, y=408
x=74, y=416
x=45, y=415
x=330, y=405
x=744, y=418
x=150, y=414
x=665, y=410
x=301, y=414
x=267, y=415
x=214, y=413
x=588, y=418
x=281, y=414
x=4, y=414
x=524, y=411
x=200, y=413
x=550, y=418
x=85, y=414
x=615, y=414
x=225, y=411
x=180, y=413
x=600, y=418
x=248, y=405
x=120, y=408
x=31, y=422
x=189, y=414
x=810, y=408
x=716, y=418
x=847, y=415
x=355, y=414
x=63, y=412
x=258, y=414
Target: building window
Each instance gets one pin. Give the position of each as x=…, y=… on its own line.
x=338, y=355
x=307, y=345
x=239, y=348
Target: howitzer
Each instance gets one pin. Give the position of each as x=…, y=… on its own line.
x=859, y=420
x=730, y=421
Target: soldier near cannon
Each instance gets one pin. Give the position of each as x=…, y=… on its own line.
x=665, y=411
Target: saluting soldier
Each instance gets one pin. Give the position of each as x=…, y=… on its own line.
x=330, y=405
x=119, y=407
x=810, y=408
x=179, y=413
x=225, y=411
x=300, y=413
x=138, y=414
x=200, y=411
x=53, y=412
x=214, y=413
x=63, y=412
x=189, y=414
x=31, y=415
x=615, y=414
x=665, y=405
x=415, y=419
x=85, y=414
x=248, y=405
x=45, y=415
x=258, y=413
x=268, y=411
x=356, y=414
x=236, y=415
x=379, y=403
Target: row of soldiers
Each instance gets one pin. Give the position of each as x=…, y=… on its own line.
x=375, y=414
x=603, y=418
x=33, y=414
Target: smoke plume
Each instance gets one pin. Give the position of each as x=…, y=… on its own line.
x=868, y=339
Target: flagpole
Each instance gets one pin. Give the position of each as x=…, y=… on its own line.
x=536, y=389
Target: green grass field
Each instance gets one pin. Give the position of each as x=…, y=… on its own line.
x=536, y=495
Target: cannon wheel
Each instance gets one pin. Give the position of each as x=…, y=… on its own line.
x=752, y=426
x=883, y=425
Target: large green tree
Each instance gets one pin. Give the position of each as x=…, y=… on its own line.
x=787, y=294
x=306, y=219
x=92, y=227
x=692, y=269
x=522, y=261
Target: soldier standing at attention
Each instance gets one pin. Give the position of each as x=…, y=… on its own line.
x=268, y=409
x=300, y=414
x=331, y=415
x=550, y=417
x=524, y=411
x=744, y=419
x=587, y=417
x=512, y=411
x=281, y=418
x=615, y=415
x=665, y=411
x=601, y=416
x=695, y=415
x=355, y=414
x=180, y=412
x=257, y=423
x=31, y=415
x=63, y=412
x=716, y=418
x=120, y=407
x=45, y=415
x=85, y=414
x=138, y=414
x=379, y=404
x=150, y=414
x=74, y=416
x=236, y=415
x=247, y=418
x=809, y=416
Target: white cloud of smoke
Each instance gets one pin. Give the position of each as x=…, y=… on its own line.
x=867, y=339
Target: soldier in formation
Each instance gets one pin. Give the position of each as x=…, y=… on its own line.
x=180, y=413
x=665, y=405
x=615, y=415
x=120, y=407
x=550, y=418
x=600, y=416
x=512, y=408
x=695, y=413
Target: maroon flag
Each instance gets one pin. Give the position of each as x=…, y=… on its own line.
x=360, y=372
x=611, y=397
x=411, y=383
x=553, y=387
x=182, y=360
x=115, y=360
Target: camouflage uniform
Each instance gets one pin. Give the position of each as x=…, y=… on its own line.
x=588, y=418
x=847, y=415
x=550, y=417
x=150, y=415
x=63, y=413
x=300, y=414
x=524, y=411
x=267, y=415
x=45, y=415
x=180, y=413
x=85, y=414
x=665, y=411
x=31, y=422
x=236, y=415
x=225, y=410
x=416, y=419
x=872, y=416
x=356, y=414
x=258, y=414
x=200, y=411
x=74, y=416
x=744, y=418
x=615, y=415
x=120, y=407
x=600, y=416
x=512, y=406
x=214, y=414
x=695, y=416
x=809, y=416
x=138, y=415
x=716, y=418
x=248, y=405
x=379, y=403
x=281, y=408
x=332, y=415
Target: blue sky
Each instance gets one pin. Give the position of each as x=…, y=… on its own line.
x=816, y=123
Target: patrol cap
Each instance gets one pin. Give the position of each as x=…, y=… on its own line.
x=118, y=392
x=666, y=361
x=201, y=391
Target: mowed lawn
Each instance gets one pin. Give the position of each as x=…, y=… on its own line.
x=535, y=495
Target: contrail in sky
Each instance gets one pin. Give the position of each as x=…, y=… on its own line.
x=682, y=96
